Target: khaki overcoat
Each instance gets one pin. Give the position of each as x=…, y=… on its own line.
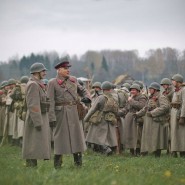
x=130, y=127
x=177, y=130
x=36, y=144
x=103, y=133
x=68, y=133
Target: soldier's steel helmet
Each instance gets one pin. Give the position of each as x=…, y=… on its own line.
x=127, y=85
x=139, y=83
x=24, y=79
x=64, y=62
x=106, y=85
x=166, y=81
x=11, y=81
x=37, y=67
x=135, y=86
x=96, y=84
x=154, y=85
x=4, y=83
x=178, y=78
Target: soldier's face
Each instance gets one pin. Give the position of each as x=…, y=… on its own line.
x=175, y=84
x=165, y=86
x=151, y=91
x=64, y=71
x=134, y=92
x=42, y=74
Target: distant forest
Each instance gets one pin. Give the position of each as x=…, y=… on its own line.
x=104, y=65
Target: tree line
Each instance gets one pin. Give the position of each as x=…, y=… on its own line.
x=104, y=65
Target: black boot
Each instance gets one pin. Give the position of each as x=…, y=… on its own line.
x=157, y=153
x=174, y=154
x=132, y=152
x=138, y=153
x=57, y=161
x=182, y=154
x=78, y=158
x=31, y=162
x=106, y=150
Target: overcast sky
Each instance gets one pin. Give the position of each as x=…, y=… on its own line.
x=75, y=26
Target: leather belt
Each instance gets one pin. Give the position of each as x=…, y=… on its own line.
x=65, y=103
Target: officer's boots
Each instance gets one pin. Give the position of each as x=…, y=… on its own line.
x=31, y=162
x=57, y=161
x=78, y=158
x=157, y=153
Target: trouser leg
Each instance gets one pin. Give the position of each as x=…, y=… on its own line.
x=78, y=159
x=57, y=161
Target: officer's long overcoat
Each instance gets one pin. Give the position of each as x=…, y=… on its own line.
x=68, y=133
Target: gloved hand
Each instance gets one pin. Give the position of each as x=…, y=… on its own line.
x=181, y=121
x=38, y=128
x=149, y=114
x=85, y=100
x=52, y=124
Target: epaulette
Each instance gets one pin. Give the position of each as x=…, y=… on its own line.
x=72, y=79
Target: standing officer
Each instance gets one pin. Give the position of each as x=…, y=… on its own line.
x=63, y=92
x=36, y=138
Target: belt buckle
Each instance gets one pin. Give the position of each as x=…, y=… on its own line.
x=70, y=103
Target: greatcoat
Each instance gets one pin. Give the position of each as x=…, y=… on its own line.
x=177, y=130
x=36, y=144
x=155, y=128
x=130, y=128
x=103, y=133
x=68, y=133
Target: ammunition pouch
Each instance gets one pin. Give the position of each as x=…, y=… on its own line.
x=96, y=118
x=81, y=110
x=44, y=106
x=161, y=119
x=110, y=117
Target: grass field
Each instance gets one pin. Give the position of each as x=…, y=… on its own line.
x=96, y=170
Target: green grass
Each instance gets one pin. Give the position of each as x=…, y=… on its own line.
x=96, y=170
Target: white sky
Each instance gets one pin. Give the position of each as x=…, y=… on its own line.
x=75, y=26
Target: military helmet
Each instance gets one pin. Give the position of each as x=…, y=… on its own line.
x=135, y=86
x=178, y=78
x=127, y=85
x=139, y=83
x=11, y=81
x=37, y=67
x=45, y=81
x=106, y=85
x=24, y=79
x=154, y=85
x=96, y=84
x=4, y=83
x=166, y=81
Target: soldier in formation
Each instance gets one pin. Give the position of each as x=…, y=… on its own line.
x=36, y=140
